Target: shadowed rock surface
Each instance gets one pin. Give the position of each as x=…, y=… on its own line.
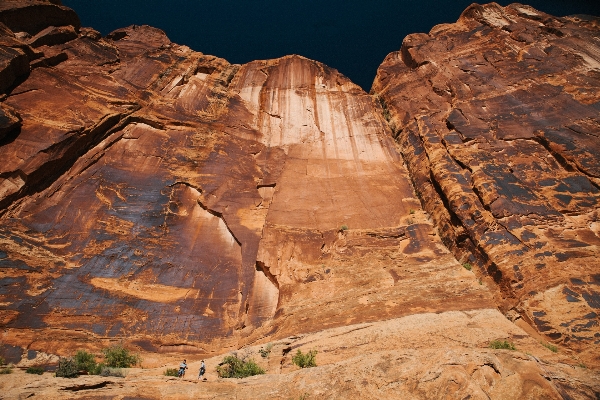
x=170, y=200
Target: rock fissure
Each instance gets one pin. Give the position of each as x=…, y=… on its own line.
x=220, y=216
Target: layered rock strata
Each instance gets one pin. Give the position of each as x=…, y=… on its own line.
x=169, y=199
x=497, y=117
x=155, y=192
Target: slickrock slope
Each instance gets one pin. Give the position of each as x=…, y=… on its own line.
x=170, y=200
x=498, y=119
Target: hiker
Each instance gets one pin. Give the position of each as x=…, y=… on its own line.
x=182, y=368
x=202, y=370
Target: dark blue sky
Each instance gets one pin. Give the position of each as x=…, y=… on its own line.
x=353, y=36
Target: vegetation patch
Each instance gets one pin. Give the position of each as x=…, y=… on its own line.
x=305, y=360
x=550, y=347
x=108, y=371
x=233, y=367
x=6, y=370
x=86, y=362
x=502, y=344
x=35, y=370
x=119, y=357
x=264, y=352
x=344, y=228
x=172, y=372
x=67, y=368
x=467, y=266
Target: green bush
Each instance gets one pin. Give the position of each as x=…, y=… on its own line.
x=172, y=372
x=233, y=367
x=467, y=266
x=305, y=360
x=1, y=360
x=119, y=357
x=344, y=228
x=86, y=362
x=499, y=344
x=67, y=368
x=550, y=347
x=35, y=370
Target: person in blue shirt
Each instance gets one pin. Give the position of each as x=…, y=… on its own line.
x=182, y=368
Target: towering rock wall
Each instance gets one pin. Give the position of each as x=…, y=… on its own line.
x=167, y=198
x=160, y=194
x=497, y=117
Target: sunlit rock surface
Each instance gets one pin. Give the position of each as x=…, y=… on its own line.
x=497, y=117
x=180, y=204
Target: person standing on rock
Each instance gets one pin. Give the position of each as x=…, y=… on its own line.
x=202, y=370
x=182, y=368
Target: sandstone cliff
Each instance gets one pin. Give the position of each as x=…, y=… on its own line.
x=497, y=119
x=166, y=198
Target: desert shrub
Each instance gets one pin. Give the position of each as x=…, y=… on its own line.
x=108, y=371
x=344, y=228
x=502, y=344
x=550, y=347
x=467, y=266
x=412, y=211
x=305, y=360
x=35, y=370
x=86, y=362
x=119, y=357
x=67, y=368
x=172, y=372
x=6, y=370
x=233, y=367
x=264, y=352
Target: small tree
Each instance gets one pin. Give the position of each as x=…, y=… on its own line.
x=119, y=357
x=305, y=360
x=85, y=362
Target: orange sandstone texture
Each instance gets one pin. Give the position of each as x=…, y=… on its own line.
x=497, y=118
x=165, y=198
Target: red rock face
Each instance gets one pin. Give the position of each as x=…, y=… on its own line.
x=497, y=118
x=155, y=192
x=160, y=195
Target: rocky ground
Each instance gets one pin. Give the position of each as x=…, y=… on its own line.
x=422, y=356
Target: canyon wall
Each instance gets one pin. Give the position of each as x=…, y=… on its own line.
x=497, y=119
x=166, y=198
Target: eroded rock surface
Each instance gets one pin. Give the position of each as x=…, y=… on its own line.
x=176, y=202
x=497, y=117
